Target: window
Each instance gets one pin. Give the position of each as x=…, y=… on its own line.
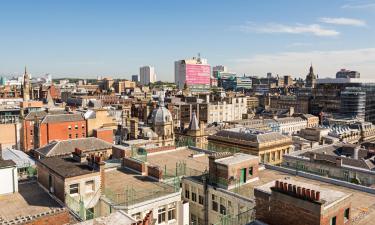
x=223, y=210
x=200, y=199
x=346, y=215
x=76, y=127
x=194, y=197
x=172, y=213
x=161, y=215
x=69, y=127
x=215, y=206
x=70, y=136
x=250, y=171
x=333, y=221
x=193, y=219
x=74, y=189
x=76, y=135
x=83, y=135
x=187, y=193
x=90, y=186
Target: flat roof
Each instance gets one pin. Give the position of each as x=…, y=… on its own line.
x=235, y=159
x=125, y=187
x=169, y=159
x=67, y=167
x=363, y=204
x=328, y=195
x=30, y=200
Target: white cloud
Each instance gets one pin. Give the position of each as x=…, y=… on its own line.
x=314, y=29
x=343, y=21
x=326, y=63
x=366, y=5
x=298, y=44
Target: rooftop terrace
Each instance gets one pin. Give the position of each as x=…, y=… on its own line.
x=125, y=187
x=29, y=201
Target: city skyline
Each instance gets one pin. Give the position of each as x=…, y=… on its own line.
x=115, y=39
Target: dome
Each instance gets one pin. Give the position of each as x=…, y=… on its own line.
x=161, y=114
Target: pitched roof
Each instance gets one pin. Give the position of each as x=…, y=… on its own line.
x=193, y=125
x=38, y=114
x=246, y=134
x=63, y=118
x=67, y=147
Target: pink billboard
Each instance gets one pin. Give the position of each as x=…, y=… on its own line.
x=197, y=74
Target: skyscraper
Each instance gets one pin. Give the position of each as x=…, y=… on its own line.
x=193, y=72
x=147, y=75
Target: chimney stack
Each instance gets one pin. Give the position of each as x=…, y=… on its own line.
x=339, y=161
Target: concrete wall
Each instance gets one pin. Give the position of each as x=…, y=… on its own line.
x=9, y=180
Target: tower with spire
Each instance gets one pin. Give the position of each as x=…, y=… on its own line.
x=26, y=86
x=311, y=78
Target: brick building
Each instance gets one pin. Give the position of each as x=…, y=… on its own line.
x=40, y=128
x=288, y=202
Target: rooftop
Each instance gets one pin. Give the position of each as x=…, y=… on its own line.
x=194, y=159
x=6, y=163
x=63, y=118
x=125, y=187
x=30, y=200
x=66, y=147
x=19, y=157
x=328, y=196
x=67, y=167
x=247, y=134
x=363, y=206
x=235, y=159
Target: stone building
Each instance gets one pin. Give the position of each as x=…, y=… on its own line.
x=268, y=146
x=195, y=134
x=161, y=122
x=345, y=162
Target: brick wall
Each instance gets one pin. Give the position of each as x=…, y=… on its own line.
x=160, y=149
x=155, y=172
x=134, y=165
x=58, y=218
x=104, y=134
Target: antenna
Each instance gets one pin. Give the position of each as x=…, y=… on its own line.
x=199, y=55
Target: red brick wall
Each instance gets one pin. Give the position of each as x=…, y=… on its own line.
x=104, y=134
x=58, y=218
x=26, y=136
x=155, y=172
x=134, y=165
x=276, y=211
x=160, y=149
x=61, y=131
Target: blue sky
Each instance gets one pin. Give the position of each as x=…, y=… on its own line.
x=79, y=38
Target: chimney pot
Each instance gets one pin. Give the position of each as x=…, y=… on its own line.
x=285, y=187
x=294, y=189
x=308, y=194
x=313, y=197
x=290, y=187
x=317, y=196
x=299, y=191
x=277, y=184
x=303, y=192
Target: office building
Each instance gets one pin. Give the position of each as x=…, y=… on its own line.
x=194, y=72
x=147, y=75
x=135, y=78
x=344, y=73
